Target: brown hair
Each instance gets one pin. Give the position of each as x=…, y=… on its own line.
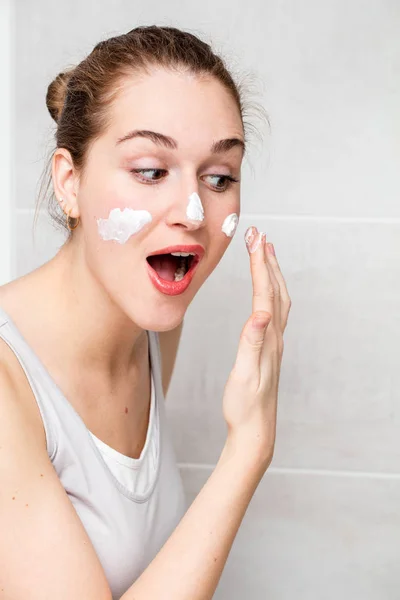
x=78, y=98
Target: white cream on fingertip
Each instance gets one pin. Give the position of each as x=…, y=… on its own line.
x=230, y=224
x=195, y=211
x=259, y=240
x=120, y=225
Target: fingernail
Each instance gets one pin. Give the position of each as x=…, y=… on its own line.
x=250, y=237
x=271, y=249
x=257, y=242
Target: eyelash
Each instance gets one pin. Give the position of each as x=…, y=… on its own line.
x=231, y=180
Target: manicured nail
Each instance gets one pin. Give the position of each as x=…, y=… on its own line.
x=250, y=237
x=259, y=241
x=271, y=249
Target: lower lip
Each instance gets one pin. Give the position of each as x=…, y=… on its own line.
x=172, y=288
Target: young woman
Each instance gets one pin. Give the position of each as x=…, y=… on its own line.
x=150, y=141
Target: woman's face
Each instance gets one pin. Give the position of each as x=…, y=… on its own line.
x=178, y=186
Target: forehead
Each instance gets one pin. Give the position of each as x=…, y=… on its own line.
x=184, y=105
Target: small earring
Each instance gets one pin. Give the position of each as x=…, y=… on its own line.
x=71, y=227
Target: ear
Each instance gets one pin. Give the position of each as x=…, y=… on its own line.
x=65, y=181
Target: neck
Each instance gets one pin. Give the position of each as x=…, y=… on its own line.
x=72, y=306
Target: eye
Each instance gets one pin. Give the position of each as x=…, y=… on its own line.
x=230, y=180
x=146, y=179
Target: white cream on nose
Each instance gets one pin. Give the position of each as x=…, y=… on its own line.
x=194, y=210
x=230, y=224
x=120, y=225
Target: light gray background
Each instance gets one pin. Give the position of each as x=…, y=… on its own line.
x=7, y=128
x=324, y=186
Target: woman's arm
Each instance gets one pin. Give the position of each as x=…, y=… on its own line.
x=45, y=551
x=189, y=565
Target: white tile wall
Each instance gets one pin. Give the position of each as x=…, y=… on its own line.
x=339, y=399
x=37, y=243
x=324, y=522
x=311, y=536
x=6, y=144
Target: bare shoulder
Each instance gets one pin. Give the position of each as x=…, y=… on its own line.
x=15, y=382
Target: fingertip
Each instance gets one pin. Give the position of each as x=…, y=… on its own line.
x=258, y=243
x=263, y=244
x=250, y=238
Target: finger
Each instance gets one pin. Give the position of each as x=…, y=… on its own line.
x=262, y=300
x=247, y=365
x=285, y=301
x=274, y=290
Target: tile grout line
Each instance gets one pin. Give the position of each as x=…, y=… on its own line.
x=302, y=471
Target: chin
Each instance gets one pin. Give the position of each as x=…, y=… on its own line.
x=159, y=325
x=155, y=317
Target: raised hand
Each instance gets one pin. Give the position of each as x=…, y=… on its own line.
x=251, y=392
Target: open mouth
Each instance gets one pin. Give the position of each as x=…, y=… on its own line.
x=173, y=266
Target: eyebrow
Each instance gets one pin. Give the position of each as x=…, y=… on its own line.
x=168, y=142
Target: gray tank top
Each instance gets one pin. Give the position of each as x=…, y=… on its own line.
x=129, y=507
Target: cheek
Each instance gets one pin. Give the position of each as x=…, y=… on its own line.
x=111, y=198
x=118, y=216
x=223, y=218
x=223, y=229
x=230, y=224
x=120, y=225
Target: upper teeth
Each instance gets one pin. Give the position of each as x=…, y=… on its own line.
x=183, y=253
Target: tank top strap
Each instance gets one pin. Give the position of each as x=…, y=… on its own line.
x=40, y=382
x=45, y=389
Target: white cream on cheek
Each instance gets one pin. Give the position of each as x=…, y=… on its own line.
x=230, y=224
x=194, y=210
x=120, y=225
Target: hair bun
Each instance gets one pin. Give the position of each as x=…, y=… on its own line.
x=56, y=93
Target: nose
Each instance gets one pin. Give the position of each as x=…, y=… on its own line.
x=188, y=213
